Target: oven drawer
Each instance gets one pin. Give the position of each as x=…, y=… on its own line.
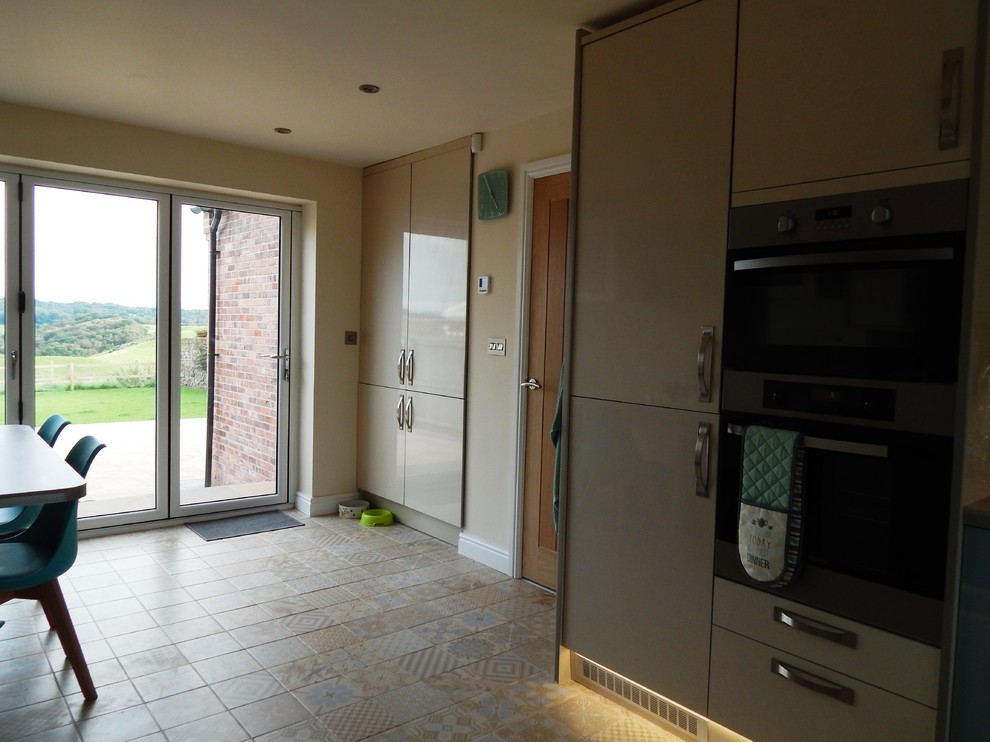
x=768, y=695
x=882, y=659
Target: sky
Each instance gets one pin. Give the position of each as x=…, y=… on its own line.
x=99, y=247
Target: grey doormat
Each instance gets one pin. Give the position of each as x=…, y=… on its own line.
x=241, y=525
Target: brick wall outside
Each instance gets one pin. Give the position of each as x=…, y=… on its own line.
x=246, y=380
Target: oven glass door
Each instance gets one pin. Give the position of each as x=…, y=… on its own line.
x=879, y=309
x=876, y=501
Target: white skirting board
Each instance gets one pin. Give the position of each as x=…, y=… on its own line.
x=323, y=505
x=489, y=555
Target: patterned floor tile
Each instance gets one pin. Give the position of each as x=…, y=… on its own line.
x=246, y=689
x=328, y=639
x=262, y=717
x=329, y=695
x=358, y=721
x=315, y=669
x=311, y=730
x=413, y=701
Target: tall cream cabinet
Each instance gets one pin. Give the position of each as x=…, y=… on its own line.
x=838, y=88
x=653, y=169
x=416, y=221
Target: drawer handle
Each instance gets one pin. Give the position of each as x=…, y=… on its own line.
x=813, y=682
x=815, y=628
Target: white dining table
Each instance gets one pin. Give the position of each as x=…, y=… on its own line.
x=31, y=472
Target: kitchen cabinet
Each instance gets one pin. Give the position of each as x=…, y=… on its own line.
x=785, y=671
x=836, y=88
x=416, y=220
x=654, y=121
x=652, y=209
x=637, y=582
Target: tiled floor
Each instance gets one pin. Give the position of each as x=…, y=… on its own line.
x=331, y=631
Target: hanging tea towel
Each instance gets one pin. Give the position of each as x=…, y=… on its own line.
x=770, y=507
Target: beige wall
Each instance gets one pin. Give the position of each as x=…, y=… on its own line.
x=327, y=294
x=493, y=382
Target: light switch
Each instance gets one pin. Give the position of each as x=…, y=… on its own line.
x=483, y=283
x=496, y=346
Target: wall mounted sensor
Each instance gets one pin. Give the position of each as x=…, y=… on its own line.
x=483, y=282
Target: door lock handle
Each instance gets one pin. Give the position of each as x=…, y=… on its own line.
x=532, y=384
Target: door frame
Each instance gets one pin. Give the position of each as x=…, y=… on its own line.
x=19, y=231
x=530, y=172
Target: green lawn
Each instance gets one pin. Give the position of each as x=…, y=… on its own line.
x=112, y=405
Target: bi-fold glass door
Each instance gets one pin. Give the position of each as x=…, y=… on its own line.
x=159, y=324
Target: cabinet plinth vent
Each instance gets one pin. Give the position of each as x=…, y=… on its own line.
x=637, y=698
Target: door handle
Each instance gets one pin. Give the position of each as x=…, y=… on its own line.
x=399, y=416
x=400, y=366
x=13, y=365
x=284, y=357
x=532, y=384
x=409, y=413
x=704, y=364
x=410, y=366
x=701, y=459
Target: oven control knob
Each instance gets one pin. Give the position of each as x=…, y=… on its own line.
x=881, y=215
x=786, y=224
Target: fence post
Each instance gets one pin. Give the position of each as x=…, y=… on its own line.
x=72, y=376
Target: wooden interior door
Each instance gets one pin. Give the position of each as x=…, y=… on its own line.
x=548, y=262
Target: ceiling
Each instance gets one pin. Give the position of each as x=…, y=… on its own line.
x=234, y=70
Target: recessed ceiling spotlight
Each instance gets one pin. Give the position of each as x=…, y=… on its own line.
x=370, y=89
x=282, y=130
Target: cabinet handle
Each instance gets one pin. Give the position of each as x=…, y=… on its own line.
x=409, y=413
x=704, y=367
x=398, y=412
x=410, y=366
x=815, y=628
x=948, y=120
x=701, y=460
x=813, y=682
x=400, y=366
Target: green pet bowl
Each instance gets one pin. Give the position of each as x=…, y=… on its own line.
x=376, y=518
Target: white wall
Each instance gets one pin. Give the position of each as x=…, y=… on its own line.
x=493, y=383
x=325, y=370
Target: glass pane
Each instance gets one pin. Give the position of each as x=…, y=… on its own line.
x=230, y=333
x=95, y=289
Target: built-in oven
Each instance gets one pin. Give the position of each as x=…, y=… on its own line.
x=842, y=323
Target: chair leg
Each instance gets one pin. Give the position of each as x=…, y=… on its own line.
x=53, y=602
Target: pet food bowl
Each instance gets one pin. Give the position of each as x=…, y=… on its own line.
x=352, y=508
x=376, y=518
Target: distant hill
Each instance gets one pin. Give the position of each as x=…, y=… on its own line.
x=87, y=328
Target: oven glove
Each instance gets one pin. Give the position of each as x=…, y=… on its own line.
x=770, y=504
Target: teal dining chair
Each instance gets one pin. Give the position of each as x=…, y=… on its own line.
x=51, y=428
x=32, y=561
x=16, y=519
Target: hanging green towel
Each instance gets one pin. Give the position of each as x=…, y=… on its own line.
x=771, y=504
x=555, y=430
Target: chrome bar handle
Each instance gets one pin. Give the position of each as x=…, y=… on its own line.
x=948, y=119
x=704, y=364
x=400, y=366
x=399, y=412
x=827, y=444
x=410, y=366
x=13, y=365
x=409, y=413
x=701, y=459
x=813, y=682
x=532, y=385
x=815, y=628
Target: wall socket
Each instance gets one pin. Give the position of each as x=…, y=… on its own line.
x=350, y=337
